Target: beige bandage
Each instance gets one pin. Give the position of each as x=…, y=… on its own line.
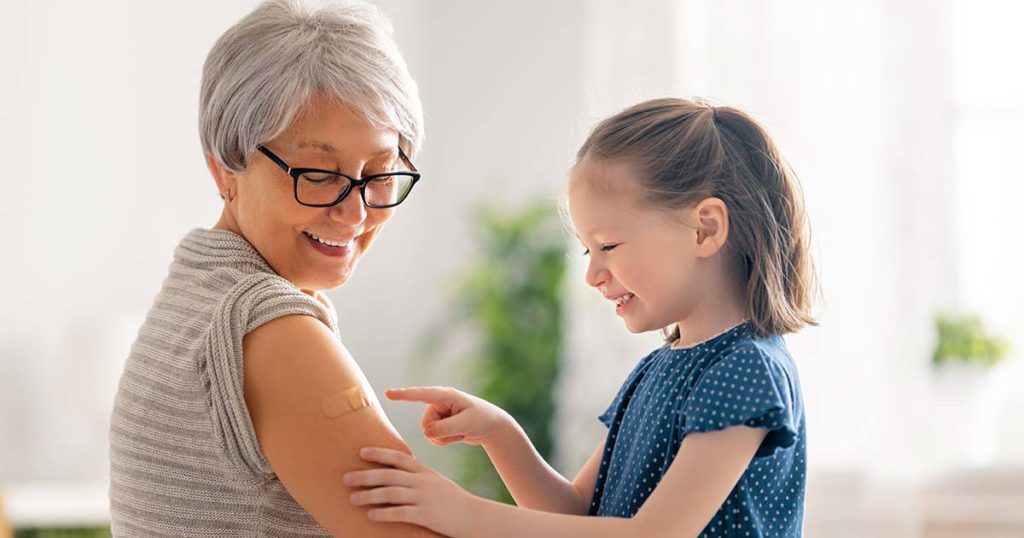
x=346, y=401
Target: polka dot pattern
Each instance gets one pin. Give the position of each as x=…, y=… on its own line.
x=731, y=379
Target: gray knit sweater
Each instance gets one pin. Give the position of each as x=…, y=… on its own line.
x=184, y=460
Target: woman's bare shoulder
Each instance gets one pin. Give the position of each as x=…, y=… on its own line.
x=299, y=387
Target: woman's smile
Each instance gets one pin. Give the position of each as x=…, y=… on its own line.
x=330, y=247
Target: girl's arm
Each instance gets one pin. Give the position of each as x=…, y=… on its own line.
x=532, y=482
x=453, y=416
x=706, y=469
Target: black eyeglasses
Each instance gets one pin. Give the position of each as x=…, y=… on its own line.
x=325, y=188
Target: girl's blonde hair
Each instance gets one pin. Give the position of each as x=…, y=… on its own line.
x=686, y=152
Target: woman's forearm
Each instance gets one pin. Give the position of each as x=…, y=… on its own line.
x=531, y=480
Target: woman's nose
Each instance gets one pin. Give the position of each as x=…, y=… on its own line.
x=351, y=210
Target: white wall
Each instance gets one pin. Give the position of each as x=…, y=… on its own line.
x=103, y=175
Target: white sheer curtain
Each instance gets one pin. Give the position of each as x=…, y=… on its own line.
x=989, y=189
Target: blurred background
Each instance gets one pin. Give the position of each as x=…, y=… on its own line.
x=902, y=119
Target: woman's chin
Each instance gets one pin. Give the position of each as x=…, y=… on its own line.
x=329, y=282
x=329, y=273
x=321, y=280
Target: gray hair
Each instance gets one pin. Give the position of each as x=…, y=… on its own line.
x=263, y=70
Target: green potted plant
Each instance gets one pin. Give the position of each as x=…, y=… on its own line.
x=969, y=389
x=509, y=298
x=963, y=339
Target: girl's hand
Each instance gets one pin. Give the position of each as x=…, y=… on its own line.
x=452, y=415
x=412, y=492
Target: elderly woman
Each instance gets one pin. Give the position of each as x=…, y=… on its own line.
x=239, y=409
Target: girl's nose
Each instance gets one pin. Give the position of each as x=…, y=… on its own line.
x=597, y=276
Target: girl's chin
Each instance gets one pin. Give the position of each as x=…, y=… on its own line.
x=637, y=328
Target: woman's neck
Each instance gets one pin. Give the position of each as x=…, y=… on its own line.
x=227, y=222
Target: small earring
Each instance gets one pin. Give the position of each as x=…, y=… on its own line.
x=226, y=196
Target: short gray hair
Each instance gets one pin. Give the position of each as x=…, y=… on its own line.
x=263, y=70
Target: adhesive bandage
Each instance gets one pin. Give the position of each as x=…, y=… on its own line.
x=347, y=401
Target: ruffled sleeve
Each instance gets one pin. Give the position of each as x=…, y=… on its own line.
x=256, y=299
x=628, y=386
x=749, y=387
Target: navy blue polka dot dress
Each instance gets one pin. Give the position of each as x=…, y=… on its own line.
x=734, y=378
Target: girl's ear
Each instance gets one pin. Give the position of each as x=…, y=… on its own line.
x=227, y=181
x=712, y=228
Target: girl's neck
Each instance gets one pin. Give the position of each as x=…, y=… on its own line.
x=709, y=319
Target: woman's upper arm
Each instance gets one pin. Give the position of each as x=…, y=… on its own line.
x=704, y=472
x=587, y=477
x=290, y=365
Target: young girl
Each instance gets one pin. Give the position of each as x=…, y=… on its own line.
x=693, y=224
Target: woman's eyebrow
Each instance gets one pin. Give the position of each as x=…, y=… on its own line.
x=328, y=148
x=322, y=146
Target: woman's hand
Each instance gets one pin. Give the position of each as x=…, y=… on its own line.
x=452, y=415
x=411, y=492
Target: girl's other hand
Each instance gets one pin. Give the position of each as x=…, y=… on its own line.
x=452, y=415
x=408, y=491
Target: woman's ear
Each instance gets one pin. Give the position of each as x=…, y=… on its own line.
x=712, y=218
x=227, y=181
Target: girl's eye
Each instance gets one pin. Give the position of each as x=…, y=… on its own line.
x=604, y=248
